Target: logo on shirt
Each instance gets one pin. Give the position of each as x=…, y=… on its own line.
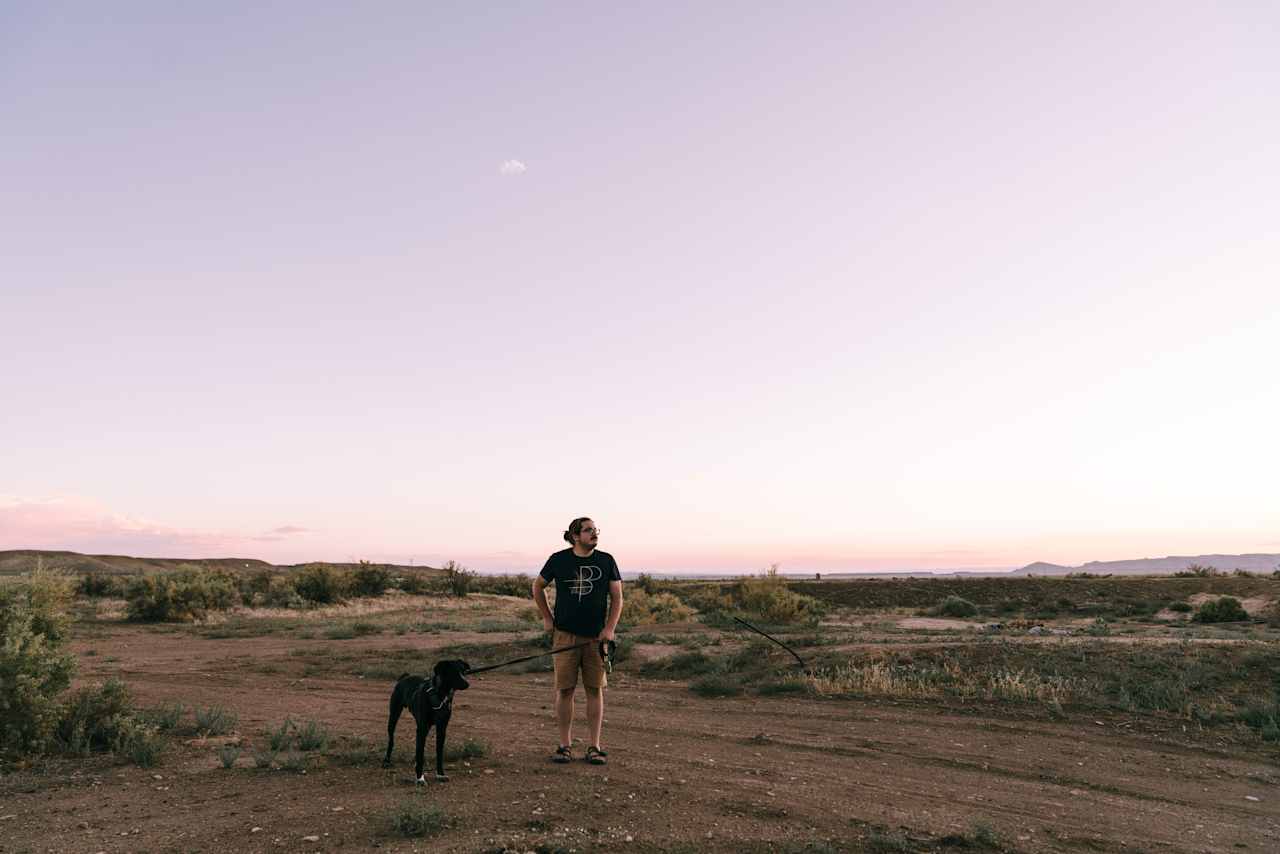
x=584, y=583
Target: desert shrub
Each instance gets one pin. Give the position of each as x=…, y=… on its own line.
x=369, y=580
x=165, y=716
x=215, y=720
x=340, y=632
x=1196, y=571
x=457, y=579
x=641, y=608
x=768, y=598
x=414, y=583
x=1224, y=610
x=416, y=818
x=503, y=585
x=92, y=718
x=955, y=606
x=312, y=736
x=319, y=584
x=185, y=594
x=34, y=667
x=139, y=743
x=679, y=665
x=95, y=585
x=644, y=581
x=228, y=754
x=471, y=748
x=254, y=587
x=1099, y=628
x=281, y=738
x=280, y=593
x=1181, y=607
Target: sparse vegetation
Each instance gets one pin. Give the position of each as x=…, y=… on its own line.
x=215, y=720
x=228, y=754
x=414, y=818
x=457, y=579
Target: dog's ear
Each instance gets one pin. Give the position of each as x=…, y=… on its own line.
x=440, y=667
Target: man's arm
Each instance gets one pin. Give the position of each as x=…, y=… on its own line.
x=615, y=610
x=540, y=599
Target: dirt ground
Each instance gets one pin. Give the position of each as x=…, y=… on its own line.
x=787, y=773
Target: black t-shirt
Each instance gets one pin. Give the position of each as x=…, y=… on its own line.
x=582, y=590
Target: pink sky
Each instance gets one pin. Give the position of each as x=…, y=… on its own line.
x=839, y=287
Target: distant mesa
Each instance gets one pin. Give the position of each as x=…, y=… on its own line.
x=1159, y=565
x=17, y=561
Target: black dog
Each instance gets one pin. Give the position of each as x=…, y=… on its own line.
x=431, y=703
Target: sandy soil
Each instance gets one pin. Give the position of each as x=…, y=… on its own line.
x=685, y=773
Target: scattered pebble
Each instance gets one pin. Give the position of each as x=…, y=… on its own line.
x=256, y=830
x=311, y=839
x=1252, y=798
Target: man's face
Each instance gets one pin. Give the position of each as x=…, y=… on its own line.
x=588, y=535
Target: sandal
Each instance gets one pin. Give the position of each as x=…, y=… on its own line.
x=562, y=754
x=596, y=756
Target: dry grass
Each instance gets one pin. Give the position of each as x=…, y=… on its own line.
x=952, y=679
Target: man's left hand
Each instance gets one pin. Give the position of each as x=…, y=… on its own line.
x=606, y=635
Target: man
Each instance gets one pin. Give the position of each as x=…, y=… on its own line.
x=586, y=581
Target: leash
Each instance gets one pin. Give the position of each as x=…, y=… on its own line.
x=775, y=640
x=606, y=652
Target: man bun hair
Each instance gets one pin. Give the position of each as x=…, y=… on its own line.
x=575, y=528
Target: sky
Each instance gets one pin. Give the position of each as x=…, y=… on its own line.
x=840, y=287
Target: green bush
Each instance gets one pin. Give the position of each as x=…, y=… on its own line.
x=1224, y=610
x=312, y=736
x=140, y=744
x=93, y=718
x=640, y=608
x=215, y=720
x=457, y=579
x=768, y=598
x=228, y=754
x=182, y=595
x=1181, y=607
x=415, y=818
x=319, y=584
x=503, y=585
x=34, y=667
x=96, y=585
x=165, y=716
x=280, y=593
x=370, y=580
x=955, y=606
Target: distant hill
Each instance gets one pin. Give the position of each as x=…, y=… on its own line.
x=17, y=561
x=1159, y=565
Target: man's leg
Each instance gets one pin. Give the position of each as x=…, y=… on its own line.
x=595, y=713
x=564, y=714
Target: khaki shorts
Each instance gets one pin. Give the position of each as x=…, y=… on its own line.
x=585, y=658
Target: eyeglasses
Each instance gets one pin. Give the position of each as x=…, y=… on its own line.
x=590, y=531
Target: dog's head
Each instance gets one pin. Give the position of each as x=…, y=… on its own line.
x=449, y=674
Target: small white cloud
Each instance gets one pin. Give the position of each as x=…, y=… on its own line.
x=512, y=167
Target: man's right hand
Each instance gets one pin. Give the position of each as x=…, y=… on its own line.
x=548, y=623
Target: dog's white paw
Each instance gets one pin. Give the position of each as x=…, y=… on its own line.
x=422, y=781
x=442, y=778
